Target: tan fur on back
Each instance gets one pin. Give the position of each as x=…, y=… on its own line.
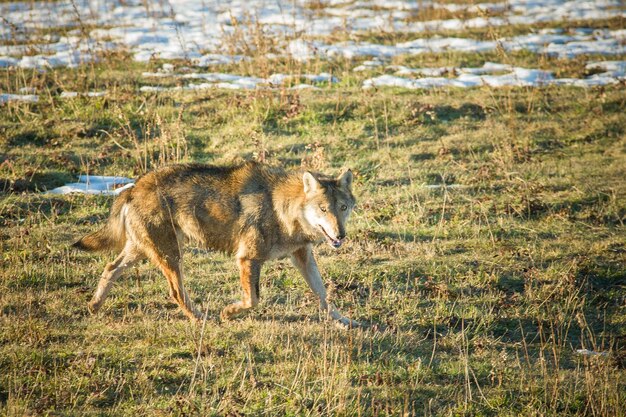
x=217, y=207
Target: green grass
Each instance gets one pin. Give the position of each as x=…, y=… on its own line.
x=481, y=294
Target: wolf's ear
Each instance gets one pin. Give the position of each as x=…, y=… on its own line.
x=345, y=180
x=310, y=183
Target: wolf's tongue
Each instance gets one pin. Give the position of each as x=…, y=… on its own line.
x=335, y=243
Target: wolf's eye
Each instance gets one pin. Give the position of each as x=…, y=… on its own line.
x=323, y=209
x=344, y=207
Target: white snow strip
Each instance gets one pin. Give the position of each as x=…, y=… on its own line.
x=369, y=65
x=430, y=72
x=601, y=42
x=324, y=77
x=29, y=98
x=473, y=8
x=95, y=184
x=488, y=67
x=587, y=352
x=60, y=59
x=74, y=94
x=304, y=87
x=157, y=89
x=615, y=69
x=7, y=62
x=237, y=82
x=413, y=84
x=511, y=76
x=518, y=77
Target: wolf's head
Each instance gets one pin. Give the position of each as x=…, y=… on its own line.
x=328, y=205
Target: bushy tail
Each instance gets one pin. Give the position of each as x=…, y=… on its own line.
x=113, y=234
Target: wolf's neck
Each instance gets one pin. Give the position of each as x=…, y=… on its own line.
x=288, y=200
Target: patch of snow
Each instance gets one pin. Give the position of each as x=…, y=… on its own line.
x=615, y=69
x=199, y=30
x=350, y=50
x=472, y=8
x=430, y=72
x=440, y=44
x=564, y=46
x=304, y=87
x=571, y=49
x=413, y=84
x=60, y=59
x=168, y=68
x=235, y=82
x=369, y=65
x=158, y=74
x=7, y=62
x=488, y=67
x=156, y=89
x=587, y=352
x=74, y=94
x=585, y=82
x=301, y=50
x=483, y=76
x=518, y=77
x=95, y=184
x=5, y=98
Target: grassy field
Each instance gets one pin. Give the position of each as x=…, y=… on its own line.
x=487, y=247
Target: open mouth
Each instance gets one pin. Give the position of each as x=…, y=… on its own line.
x=335, y=243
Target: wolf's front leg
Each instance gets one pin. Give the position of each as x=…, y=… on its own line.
x=305, y=262
x=249, y=272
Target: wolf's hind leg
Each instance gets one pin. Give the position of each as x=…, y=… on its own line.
x=112, y=271
x=305, y=262
x=249, y=272
x=166, y=255
x=171, y=266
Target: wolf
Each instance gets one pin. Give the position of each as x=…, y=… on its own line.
x=253, y=211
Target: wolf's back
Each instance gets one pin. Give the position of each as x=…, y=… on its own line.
x=113, y=234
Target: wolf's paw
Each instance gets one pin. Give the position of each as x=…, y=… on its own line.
x=196, y=318
x=93, y=307
x=345, y=323
x=229, y=312
x=233, y=310
x=224, y=316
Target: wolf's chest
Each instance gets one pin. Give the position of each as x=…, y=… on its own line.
x=283, y=250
